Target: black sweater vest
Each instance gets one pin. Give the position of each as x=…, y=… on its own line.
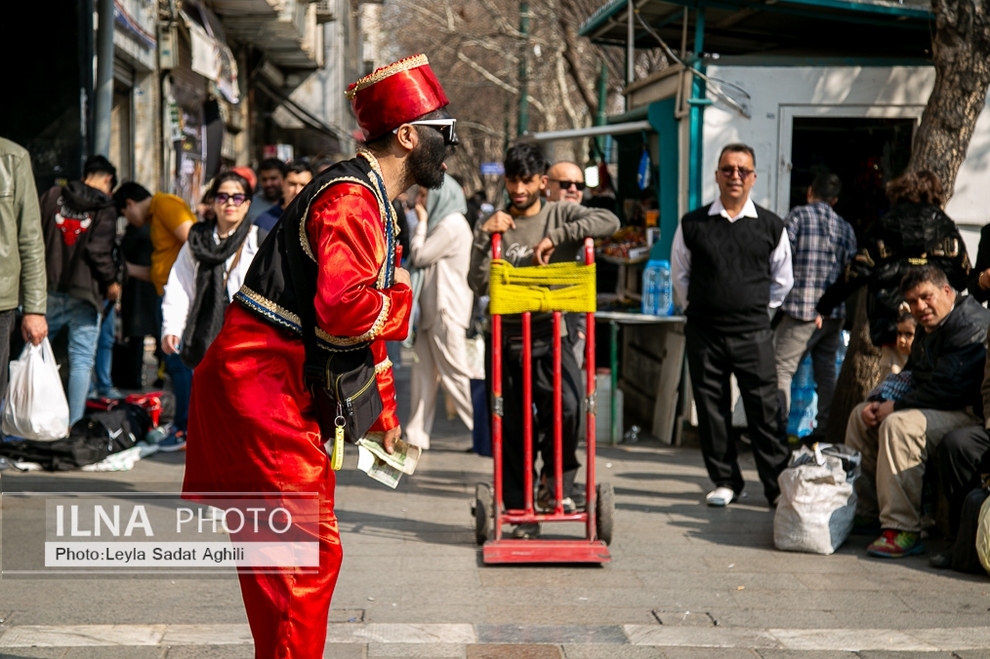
x=730, y=269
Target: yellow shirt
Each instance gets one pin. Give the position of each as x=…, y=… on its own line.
x=168, y=213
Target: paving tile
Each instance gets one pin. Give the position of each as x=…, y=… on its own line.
x=907, y=621
x=683, y=618
x=586, y=651
x=34, y=653
x=581, y=614
x=216, y=652
x=411, y=650
x=557, y=634
x=806, y=654
x=729, y=580
x=884, y=654
x=775, y=618
x=119, y=653
x=482, y=651
x=709, y=653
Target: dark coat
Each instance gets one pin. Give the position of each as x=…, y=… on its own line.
x=947, y=364
x=909, y=234
x=80, y=228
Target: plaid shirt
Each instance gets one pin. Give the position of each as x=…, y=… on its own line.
x=821, y=245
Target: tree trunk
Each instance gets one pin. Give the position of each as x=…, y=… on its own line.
x=860, y=371
x=960, y=49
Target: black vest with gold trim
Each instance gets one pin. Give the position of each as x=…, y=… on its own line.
x=267, y=289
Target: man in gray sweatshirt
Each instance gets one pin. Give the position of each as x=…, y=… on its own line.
x=535, y=232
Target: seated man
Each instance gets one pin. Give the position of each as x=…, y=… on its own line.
x=896, y=437
x=536, y=232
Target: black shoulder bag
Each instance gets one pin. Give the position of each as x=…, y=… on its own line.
x=343, y=384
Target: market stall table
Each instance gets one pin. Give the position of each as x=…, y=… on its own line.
x=669, y=378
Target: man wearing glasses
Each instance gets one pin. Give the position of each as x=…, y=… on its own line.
x=731, y=265
x=253, y=424
x=565, y=182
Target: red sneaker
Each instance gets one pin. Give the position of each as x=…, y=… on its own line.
x=896, y=544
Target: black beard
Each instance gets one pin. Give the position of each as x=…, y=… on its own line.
x=425, y=163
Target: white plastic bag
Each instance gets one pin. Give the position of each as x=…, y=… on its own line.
x=817, y=500
x=36, y=407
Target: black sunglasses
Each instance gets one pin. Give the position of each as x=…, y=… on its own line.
x=445, y=126
x=566, y=185
x=238, y=198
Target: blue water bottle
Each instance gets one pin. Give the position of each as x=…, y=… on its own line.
x=651, y=287
x=665, y=292
x=657, y=296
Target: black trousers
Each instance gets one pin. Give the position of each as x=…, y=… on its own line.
x=513, y=485
x=7, y=324
x=712, y=357
x=958, y=458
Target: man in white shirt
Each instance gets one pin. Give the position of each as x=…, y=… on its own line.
x=730, y=265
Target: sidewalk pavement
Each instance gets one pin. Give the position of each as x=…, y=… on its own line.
x=686, y=581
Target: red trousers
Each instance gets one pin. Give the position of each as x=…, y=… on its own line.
x=252, y=430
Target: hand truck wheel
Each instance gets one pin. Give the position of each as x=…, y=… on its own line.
x=482, y=513
x=604, y=512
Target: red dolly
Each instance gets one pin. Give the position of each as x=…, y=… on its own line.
x=488, y=509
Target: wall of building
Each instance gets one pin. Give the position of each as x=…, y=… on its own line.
x=779, y=94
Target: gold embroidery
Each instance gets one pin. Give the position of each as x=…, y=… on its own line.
x=381, y=367
x=921, y=261
x=282, y=316
x=270, y=310
x=384, y=72
x=386, y=216
x=368, y=336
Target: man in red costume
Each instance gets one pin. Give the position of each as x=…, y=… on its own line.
x=252, y=423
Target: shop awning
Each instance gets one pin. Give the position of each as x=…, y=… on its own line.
x=309, y=119
x=592, y=131
x=885, y=29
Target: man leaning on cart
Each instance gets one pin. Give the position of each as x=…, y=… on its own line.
x=536, y=232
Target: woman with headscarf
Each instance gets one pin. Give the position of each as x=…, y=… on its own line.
x=207, y=273
x=440, y=251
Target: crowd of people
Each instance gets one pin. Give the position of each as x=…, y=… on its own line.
x=760, y=292
x=168, y=273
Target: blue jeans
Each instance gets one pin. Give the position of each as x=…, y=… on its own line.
x=181, y=376
x=83, y=323
x=104, y=351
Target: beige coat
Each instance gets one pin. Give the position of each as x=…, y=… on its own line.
x=445, y=258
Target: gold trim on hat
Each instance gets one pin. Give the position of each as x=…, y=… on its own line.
x=384, y=72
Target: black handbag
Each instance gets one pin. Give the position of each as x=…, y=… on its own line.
x=345, y=393
x=343, y=384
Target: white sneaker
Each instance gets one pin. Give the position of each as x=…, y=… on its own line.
x=720, y=497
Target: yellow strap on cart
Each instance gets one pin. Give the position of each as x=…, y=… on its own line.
x=518, y=290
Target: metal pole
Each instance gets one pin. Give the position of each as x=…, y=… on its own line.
x=697, y=126
x=630, y=44
x=523, y=126
x=600, y=116
x=104, y=79
x=613, y=353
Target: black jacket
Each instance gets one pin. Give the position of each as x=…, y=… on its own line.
x=982, y=263
x=909, y=234
x=80, y=227
x=947, y=364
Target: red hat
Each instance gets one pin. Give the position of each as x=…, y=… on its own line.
x=395, y=94
x=248, y=175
